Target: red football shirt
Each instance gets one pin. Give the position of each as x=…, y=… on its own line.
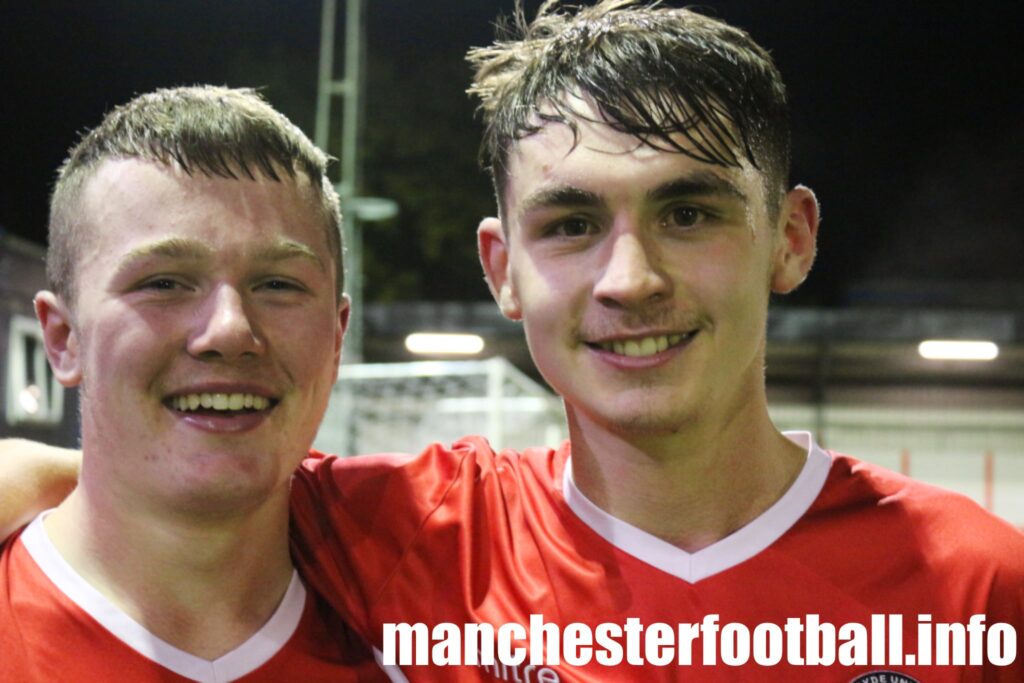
x=56, y=628
x=466, y=535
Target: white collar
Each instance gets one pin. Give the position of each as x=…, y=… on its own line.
x=724, y=554
x=245, y=658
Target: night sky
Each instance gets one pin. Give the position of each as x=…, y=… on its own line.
x=907, y=122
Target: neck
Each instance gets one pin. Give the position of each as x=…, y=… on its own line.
x=690, y=487
x=203, y=584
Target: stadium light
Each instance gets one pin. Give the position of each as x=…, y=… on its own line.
x=944, y=349
x=436, y=343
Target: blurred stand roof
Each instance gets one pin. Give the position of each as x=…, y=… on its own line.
x=807, y=347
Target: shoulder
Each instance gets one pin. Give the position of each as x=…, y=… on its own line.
x=946, y=523
x=25, y=610
x=388, y=492
x=354, y=520
x=914, y=543
x=12, y=555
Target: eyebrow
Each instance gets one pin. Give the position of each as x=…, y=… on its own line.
x=288, y=249
x=698, y=184
x=180, y=248
x=560, y=196
x=172, y=247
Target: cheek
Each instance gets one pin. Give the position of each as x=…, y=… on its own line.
x=547, y=312
x=123, y=336
x=550, y=287
x=305, y=345
x=729, y=276
x=123, y=360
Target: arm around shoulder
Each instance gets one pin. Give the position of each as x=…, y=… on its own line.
x=33, y=477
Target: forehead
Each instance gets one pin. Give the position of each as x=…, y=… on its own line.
x=601, y=159
x=130, y=200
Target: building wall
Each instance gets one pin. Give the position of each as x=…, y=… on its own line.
x=22, y=274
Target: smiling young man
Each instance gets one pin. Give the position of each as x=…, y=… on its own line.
x=642, y=278
x=194, y=252
x=640, y=156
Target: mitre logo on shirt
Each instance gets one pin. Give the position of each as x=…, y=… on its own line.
x=521, y=673
x=884, y=677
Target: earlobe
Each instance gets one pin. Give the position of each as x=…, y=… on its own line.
x=797, y=240
x=344, y=309
x=494, y=257
x=59, y=337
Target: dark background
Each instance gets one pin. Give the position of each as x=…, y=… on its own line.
x=907, y=117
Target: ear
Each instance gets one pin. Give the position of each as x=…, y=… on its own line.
x=797, y=239
x=493, y=245
x=59, y=337
x=344, y=309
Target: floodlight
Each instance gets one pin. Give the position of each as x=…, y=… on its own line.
x=437, y=343
x=947, y=349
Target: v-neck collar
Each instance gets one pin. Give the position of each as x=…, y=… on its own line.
x=724, y=554
x=247, y=657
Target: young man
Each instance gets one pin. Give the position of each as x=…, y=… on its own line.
x=640, y=157
x=194, y=252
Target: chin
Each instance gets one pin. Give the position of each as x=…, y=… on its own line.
x=641, y=421
x=649, y=425
x=220, y=499
x=231, y=480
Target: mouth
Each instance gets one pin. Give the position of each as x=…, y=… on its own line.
x=640, y=347
x=221, y=404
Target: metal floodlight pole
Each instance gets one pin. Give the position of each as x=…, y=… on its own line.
x=325, y=83
x=352, y=122
x=350, y=89
x=351, y=171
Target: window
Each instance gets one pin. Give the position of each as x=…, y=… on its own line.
x=34, y=396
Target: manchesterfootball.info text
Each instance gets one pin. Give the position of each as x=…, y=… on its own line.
x=800, y=641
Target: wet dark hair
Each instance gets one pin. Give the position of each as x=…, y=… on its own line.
x=216, y=131
x=674, y=79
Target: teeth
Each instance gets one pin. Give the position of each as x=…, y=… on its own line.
x=219, y=402
x=648, y=346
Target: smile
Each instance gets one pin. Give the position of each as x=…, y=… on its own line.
x=220, y=402
x=645, y=346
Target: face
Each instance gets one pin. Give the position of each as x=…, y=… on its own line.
x=205, y=336
x=642, y=277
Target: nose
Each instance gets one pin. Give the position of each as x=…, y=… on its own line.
x=224, y=328
x=632, y=275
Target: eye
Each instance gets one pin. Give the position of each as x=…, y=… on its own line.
x=163, y=284
x=684, y=216
x=277, y=284
x=573, y=227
